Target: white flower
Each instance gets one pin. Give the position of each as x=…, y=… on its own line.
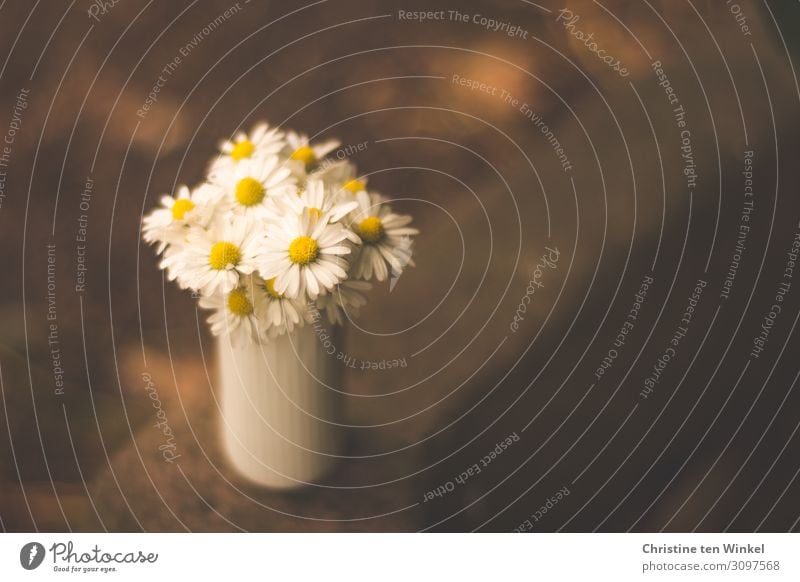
x=212, y=261
x=281, y=230
x=346, y=299
x=262, y=142
x=341, y=175
x=236, y=313
x=305, y=156
x=385, y=238
x=303, y=254
x=319, y=200
x=278, y=313
x=252, y=184
x=169, y=224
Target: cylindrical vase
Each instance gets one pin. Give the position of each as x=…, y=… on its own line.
x=278, y=402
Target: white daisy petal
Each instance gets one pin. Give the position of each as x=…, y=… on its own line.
x=311, y=283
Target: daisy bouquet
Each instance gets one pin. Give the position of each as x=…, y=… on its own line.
x=277, y=236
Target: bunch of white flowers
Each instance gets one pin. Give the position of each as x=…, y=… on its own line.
x=277, y=234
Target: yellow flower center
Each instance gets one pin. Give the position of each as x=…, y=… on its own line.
x=223, y=254
x=303, y=250
x=314, y=211
x=181, y=207
x=239, y=304
x=243, y=149
x=371, y=229
x=269, y=285
x=249, y=192
x=306, y=155
x=355, y=186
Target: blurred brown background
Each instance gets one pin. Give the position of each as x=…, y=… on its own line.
x=704, y=451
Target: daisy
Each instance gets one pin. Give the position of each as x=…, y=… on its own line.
x=236, y=313
x=319, y=200
x=385, y=238
x=304, y=254
x=169, y=224
x=213, y=261
x=279, y=314
x=345, y=299
x=262, y=141
x=355, y=185
x=281, y=230
x=305, y=156
x=342, y=176
x=252, y=184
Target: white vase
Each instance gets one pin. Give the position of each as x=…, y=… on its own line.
x=278, y=405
